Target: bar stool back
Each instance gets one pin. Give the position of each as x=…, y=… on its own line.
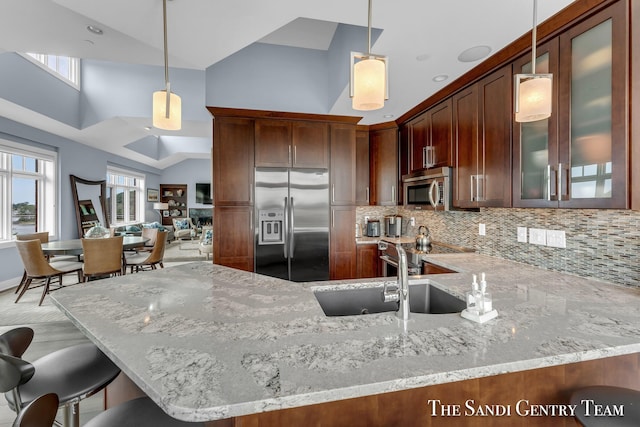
x=16, y=341
x=39, y=413
x=610, y=397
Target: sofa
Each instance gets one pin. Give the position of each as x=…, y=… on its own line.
x=136, y=229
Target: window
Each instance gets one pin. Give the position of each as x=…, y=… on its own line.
x=124, y=199
x=28, y=199
x=65, y=68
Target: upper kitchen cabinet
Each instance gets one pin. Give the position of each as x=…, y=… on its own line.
x=578, y=157
x=383, y=164
x=429, y=137
x=482, y=126
x=233, y=154
x=286, y=143
x=362, y=167
x=343, y=164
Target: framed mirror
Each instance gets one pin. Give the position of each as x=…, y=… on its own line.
x=89, y=198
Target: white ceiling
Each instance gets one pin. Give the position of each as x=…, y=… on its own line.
x=203, y=32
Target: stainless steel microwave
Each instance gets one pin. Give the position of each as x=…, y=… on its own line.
x=428, y=189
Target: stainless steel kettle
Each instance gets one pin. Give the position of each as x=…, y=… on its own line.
x=423, y=240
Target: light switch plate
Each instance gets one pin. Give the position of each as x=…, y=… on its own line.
x=538, y=236
x=522, y=234
x=556, y=239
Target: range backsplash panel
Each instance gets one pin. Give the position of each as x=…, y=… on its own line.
x=602, y=244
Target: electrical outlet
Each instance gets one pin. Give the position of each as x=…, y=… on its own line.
x=482, y=231
x=537, y=236
x=556, y=239
x=412, y=221
x=522, y=234
x=366, y=219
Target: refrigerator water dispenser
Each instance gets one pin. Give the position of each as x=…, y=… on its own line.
x=271, y=223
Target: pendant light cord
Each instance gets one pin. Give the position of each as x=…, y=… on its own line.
x=534, y=34
x=166, y=54
x=369, y=31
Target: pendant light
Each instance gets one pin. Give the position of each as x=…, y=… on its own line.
x=167, y=106
x=533, y=92
x=369, y=77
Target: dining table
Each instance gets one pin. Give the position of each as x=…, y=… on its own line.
x=74, y=246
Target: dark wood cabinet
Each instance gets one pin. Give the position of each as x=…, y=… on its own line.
x=577, y=158
x=343, y=164
x=286, y=143
x=428, y=138
x=441, y=134
x=233, y=231
x=383, y=165
x=342, y=253
x=175, y=196
x=273, y=143
x=482, y=122
x=233, y=157
x=362, y=167
x=310, y=142
x=367, y=261
x=418, y=137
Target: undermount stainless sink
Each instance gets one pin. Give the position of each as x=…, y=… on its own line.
x=423, y=298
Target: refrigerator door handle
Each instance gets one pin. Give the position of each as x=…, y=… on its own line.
x=285, y=229
x=292, y=233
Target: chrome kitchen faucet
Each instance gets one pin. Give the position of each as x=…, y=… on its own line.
x=401, y=294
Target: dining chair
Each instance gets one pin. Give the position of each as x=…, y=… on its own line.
x=152, y=235
x=142, y=261
x=43, y=236
x=37, y=268
x=102, y=257
x=41, y=412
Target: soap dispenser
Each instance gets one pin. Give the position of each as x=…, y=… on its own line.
x=474, y=297
x=487, y=304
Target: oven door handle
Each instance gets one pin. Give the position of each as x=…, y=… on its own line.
x=434, y=194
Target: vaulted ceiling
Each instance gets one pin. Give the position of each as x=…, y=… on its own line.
x=423, y=39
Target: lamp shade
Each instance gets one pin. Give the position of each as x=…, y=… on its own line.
x=161, y=206
x=533, y=97
x=369, y=83
x=160, y=119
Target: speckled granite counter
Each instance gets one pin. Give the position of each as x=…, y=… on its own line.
x=207, y=342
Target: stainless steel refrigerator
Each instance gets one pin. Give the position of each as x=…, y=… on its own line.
x=292, y=223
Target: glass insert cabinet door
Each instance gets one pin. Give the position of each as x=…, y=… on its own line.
x=577, y=157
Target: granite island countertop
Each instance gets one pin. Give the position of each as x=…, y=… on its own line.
x=208, y=342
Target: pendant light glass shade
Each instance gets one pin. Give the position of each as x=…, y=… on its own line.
x=368, y=77
x=162, y=120
x=533, y=97
x=369, y=81
x=533, y=92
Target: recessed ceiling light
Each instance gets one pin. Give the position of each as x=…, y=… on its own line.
x=440, y=78
x=422, y=57
x=474, y=53
x=95, y=30
x=148, y=128
x=388, y=116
